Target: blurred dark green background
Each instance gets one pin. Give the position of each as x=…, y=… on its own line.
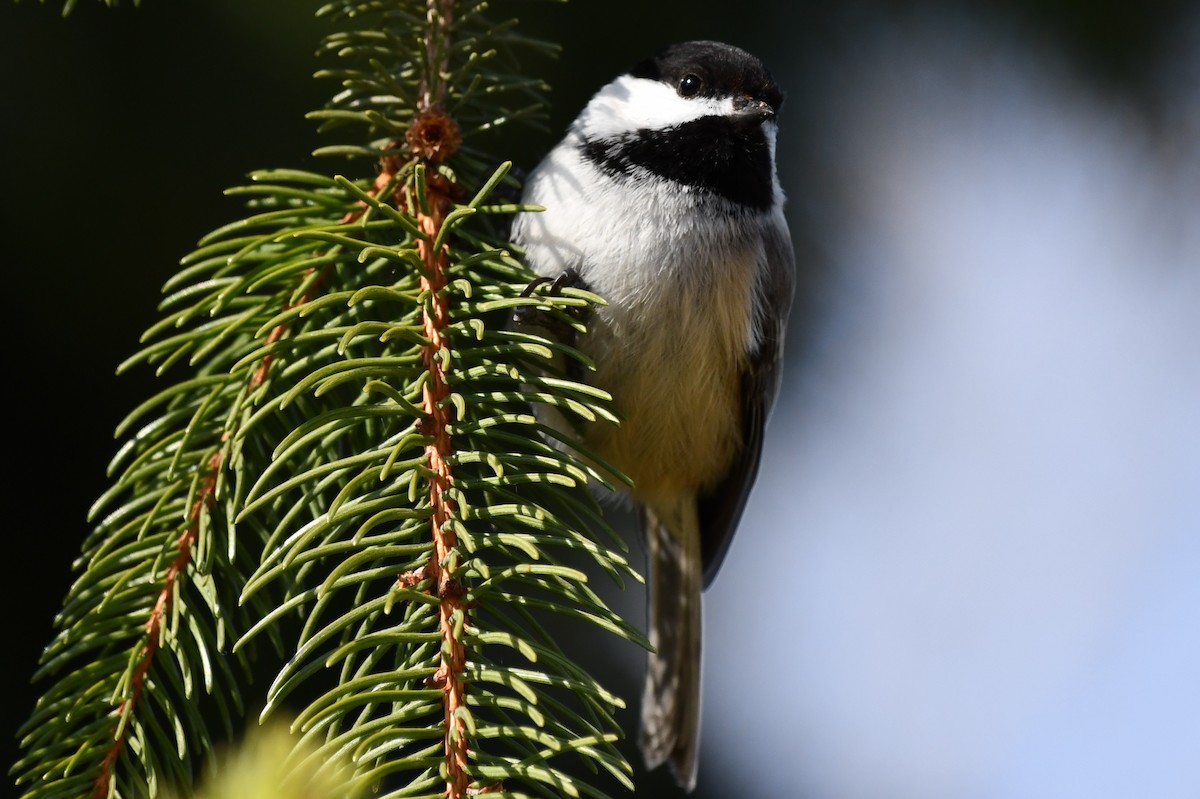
x=120, y=128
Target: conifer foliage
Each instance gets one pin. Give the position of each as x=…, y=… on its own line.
x=343, y=477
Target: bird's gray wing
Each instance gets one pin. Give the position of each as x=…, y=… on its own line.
x=720, y=508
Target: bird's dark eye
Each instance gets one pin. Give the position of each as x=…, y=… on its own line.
x=690, y=85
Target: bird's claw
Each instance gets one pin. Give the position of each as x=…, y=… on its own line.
x=532, y=315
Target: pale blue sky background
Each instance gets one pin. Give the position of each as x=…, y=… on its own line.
x=971, y=569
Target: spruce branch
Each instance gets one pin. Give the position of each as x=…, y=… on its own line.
x=347, y=469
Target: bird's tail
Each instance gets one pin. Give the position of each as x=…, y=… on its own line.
x=671, y=700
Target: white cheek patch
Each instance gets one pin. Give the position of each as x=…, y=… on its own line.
x=628, y=104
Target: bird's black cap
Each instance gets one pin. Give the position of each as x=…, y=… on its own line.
x=723, y=71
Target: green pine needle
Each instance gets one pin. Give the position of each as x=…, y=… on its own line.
x=267, y=544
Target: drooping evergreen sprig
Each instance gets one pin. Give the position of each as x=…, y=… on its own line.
x=346, y=464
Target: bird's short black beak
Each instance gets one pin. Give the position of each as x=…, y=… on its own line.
x=753, y=110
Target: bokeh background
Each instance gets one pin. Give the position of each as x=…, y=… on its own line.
x=971, y=568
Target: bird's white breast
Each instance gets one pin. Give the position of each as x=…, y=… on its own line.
x=677, y=268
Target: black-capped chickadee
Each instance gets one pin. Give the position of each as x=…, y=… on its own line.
x=663, y=199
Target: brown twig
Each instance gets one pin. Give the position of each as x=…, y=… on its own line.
x=388, y=166
x=439, y=571
x=438, y=16
x=432, y=137
x=204, y=500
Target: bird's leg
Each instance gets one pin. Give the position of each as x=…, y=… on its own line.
x=553, y=323
x=531, y=315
